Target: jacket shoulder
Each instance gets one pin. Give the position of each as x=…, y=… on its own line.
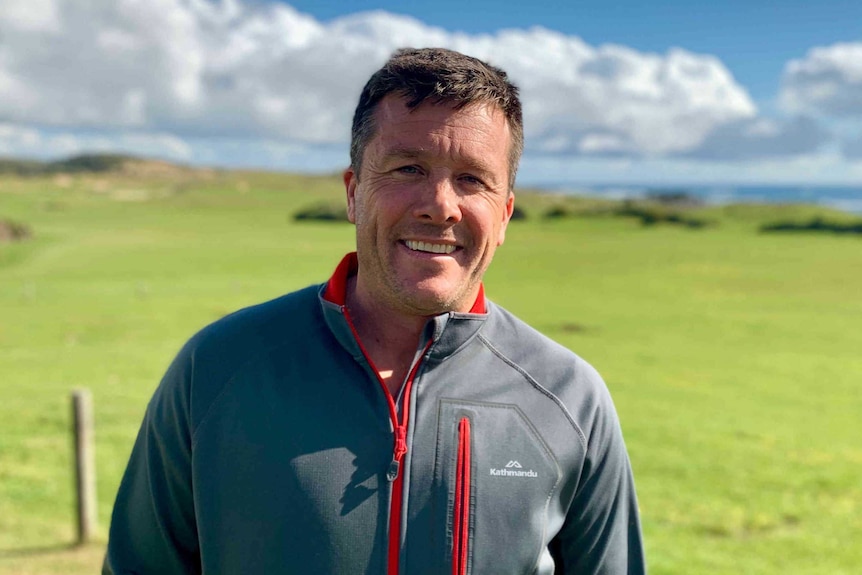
x=551, y=368
x=210, y=358
x=244, y=331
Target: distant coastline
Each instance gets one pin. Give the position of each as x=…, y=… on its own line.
x=844, y=198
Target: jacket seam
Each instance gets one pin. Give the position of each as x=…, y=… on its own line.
x=538, y=388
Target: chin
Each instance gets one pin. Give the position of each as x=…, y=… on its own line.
x=435, y=301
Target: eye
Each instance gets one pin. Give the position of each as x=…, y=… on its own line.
x=411, y=169
x=471, y=180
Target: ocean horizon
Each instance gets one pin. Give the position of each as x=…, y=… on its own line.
x=844, y=198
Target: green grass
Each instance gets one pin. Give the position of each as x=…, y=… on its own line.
x=733, y=356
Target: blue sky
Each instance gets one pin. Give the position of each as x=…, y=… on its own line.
x=627, y=92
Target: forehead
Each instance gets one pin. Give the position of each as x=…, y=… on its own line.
x=431, y=128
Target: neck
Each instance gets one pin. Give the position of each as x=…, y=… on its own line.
x=389, y=338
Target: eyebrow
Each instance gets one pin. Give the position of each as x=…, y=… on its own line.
x=405, y=152
x=410, y=153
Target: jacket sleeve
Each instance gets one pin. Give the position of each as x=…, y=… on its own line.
x=153, y=524
x=601, y=534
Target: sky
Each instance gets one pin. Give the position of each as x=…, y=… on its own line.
x=661, y=93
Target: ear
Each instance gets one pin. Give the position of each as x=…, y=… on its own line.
x=507, y=215
x=350, y=183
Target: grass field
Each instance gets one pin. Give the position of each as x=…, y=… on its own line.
x=733, y=356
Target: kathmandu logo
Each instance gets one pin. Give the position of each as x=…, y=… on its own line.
x=513, y=469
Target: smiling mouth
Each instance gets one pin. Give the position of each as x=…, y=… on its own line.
x=429, y=247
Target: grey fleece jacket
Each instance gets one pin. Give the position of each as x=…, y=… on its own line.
x=268, y=449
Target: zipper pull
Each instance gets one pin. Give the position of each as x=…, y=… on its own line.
x=398, y=452
x=392, y=473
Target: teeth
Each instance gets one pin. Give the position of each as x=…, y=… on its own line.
x=432, y=248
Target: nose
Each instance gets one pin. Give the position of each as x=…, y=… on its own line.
x=439, y=202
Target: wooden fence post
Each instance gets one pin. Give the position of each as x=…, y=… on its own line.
x=85, y=464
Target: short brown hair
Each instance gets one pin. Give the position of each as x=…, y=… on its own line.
x=437, y=75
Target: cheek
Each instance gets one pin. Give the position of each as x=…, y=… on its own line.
x=389, y=209
x=374, y=221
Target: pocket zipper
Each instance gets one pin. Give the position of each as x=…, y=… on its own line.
x=461, y=519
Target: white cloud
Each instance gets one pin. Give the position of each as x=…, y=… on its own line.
x=29, y=15
x=827, y=81
x=614, y=99
x=756, y=139
x=233, y=69
x=35, y=143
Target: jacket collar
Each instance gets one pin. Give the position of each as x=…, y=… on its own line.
x=448, y=331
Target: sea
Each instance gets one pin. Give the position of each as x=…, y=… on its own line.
x=844, y=198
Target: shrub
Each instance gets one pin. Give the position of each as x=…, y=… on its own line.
x=89, y=163
x=518, y=213
x=651, y=215
x=322, y=212
x=75, y=164
x=558, y=211
x=816, y=224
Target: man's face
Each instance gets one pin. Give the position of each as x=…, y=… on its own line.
x=430, y=204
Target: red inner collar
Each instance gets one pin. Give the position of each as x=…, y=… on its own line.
x=336, y=288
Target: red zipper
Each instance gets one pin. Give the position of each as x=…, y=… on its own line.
x=399, y=448
x=461, y=512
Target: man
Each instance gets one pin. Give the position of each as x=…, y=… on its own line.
x=391, y=420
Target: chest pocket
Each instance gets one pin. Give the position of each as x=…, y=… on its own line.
x=500, y=477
